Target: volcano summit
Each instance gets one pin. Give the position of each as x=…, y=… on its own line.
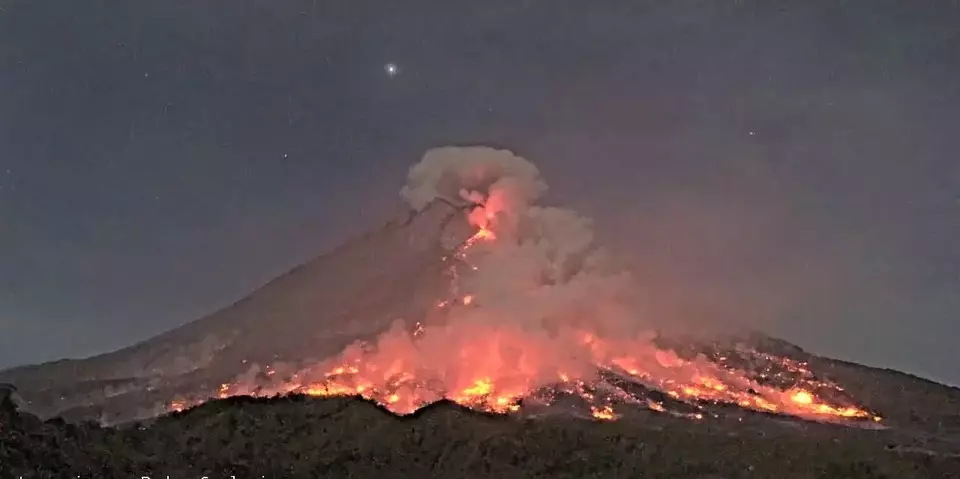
x=483, y=297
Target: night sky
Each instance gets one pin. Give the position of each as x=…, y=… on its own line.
x=791, y=166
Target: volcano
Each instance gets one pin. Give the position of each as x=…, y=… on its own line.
x=482, y=297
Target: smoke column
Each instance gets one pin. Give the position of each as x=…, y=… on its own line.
x=534, y=285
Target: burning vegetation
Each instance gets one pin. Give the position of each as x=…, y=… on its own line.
x=536, y=315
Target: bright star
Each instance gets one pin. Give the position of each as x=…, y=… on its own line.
x=391, y=69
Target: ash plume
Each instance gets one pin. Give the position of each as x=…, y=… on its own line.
x=543, y=260
x=453, y=173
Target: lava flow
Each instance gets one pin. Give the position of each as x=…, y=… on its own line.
x=535, y=315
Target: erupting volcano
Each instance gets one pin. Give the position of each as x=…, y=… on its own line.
x=533, y=316
x=482, y=296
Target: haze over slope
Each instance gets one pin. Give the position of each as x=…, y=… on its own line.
x=310, y=312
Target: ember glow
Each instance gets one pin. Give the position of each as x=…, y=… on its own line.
x=535, y=312
x=604, y=413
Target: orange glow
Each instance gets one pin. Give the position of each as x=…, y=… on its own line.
x=479, y=388
x=655, y=406
x=485, y=234
x=480, y=361
x=482, y=235
x=802, y=397
x=604, y=413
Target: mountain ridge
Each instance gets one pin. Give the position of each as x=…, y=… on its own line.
x=92, y=388
x=419, y=235
x=391, y=315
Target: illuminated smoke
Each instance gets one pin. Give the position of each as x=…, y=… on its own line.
x=533, y=303
x=460, y=173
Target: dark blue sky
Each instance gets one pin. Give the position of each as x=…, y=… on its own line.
x=788, y=165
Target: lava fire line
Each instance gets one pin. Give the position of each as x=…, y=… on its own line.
x=402, y=385
x=535, y=311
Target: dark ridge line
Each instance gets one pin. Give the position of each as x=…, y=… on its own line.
x=218, y=404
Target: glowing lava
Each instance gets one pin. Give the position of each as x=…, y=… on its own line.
x=604, y=413
x=802, y=397
x=474, y=372
x=533, y=307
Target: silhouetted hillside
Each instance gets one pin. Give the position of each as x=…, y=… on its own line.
x=298, y=436
x=313, y=311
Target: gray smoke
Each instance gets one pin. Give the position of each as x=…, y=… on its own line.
x=458, y=173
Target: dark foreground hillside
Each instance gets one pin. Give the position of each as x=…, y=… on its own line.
x=300, y=436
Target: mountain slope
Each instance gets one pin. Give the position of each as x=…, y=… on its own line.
x=500, y=305
x=313, y=311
